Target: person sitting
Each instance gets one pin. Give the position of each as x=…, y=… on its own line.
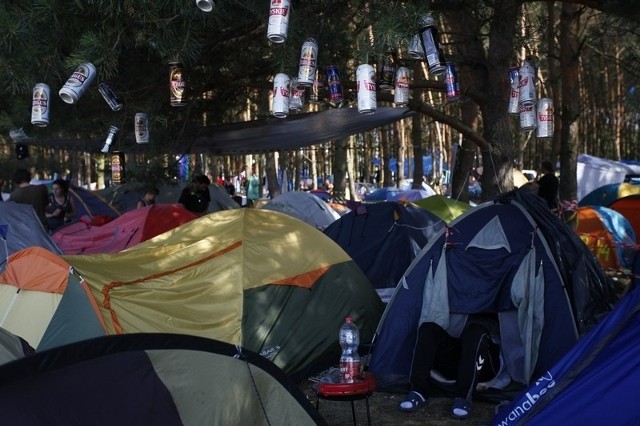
x=61, y=208
x=149, y=198
x=468, y=357
x=196, y=197
x=25, y=193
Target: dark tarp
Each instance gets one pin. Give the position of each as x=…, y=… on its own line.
x=262, y=135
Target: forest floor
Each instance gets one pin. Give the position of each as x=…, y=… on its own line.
x=384, y=411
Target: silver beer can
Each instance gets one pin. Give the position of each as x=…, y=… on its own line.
x=281, y=86
x=78, y=83
x=205, y=5
x=296, y=95
x=514, y=96
x=526, y=85
x=414, y=50
x=110, y=96
x=111, y=136
x=40, y=105
x=279, y=13
x=366, y=88
x=431, y=46
x=527, y=117
x=544, y=114
x=141, y=121
x=308, y=63
x=401, y=89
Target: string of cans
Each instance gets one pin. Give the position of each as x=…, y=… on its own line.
x=79, y=82
x=288, y=92
x=535, y=114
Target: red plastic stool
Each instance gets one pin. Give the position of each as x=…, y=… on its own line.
x=361, y=389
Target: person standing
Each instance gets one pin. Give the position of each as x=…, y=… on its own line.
x=253, y=190
x=61, y=208
x=25, y=193
x=548, y=184
x=196, y=197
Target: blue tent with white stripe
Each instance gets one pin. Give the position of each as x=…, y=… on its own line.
x=596, y=383
x=511, y=257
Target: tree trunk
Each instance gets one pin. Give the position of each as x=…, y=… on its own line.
x=569, y=23
x=340, y=169
x=271, y=171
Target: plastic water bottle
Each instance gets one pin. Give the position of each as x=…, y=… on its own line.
x=349, y=360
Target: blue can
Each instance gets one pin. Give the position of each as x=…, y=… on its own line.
x=451, y=85
x=334, y=87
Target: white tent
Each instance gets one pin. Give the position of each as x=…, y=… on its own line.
x=594, y=172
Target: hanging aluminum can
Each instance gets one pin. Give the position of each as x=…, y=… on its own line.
x=296, y=95
x=79, y=81
x=366, y=88
x=117, y=168
x=205, y=5
x=177, y=85
x=110, y=96
x=40, y=105
x=545, y=118
x=279, y=13
x=334, y=87
x=526, y=85
x=141, y=122
x=451, y=84
x=414, y=50
x=401, y=91
x=281, y=85
x=315, y=96
x=388, y=73
x=514, y=97
x=308, y=62
x=527, y=117
x=432, y=52
x=113, y=131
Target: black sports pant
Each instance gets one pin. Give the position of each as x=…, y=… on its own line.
x=471, y=358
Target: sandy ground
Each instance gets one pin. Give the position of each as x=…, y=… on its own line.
x=384, y=411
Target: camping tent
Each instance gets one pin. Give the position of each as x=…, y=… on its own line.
x=22, y=229
x=125, y=231
x=12, y=347
x=150, y=379
x=44, y=302
x=250, y=277
x=304, y=206
x=607, y=194
x=493, y=258
x=125, y=197
x=629, y=207
x=594, y=172
x=383, y=239
x=596, y=383
x=608, y=235
x=444, y=207
x=90, y=204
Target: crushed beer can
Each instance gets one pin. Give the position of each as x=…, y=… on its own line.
x=141, y=122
